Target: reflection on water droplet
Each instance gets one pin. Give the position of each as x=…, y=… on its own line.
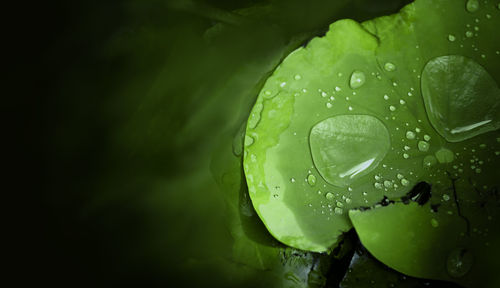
x=358, y=78
x=459, y=262
x=389, y=67
x=423, y=146
x=472, y=5
x=311, y=179
x=248, y=140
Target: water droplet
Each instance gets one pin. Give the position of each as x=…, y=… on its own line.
x=429, y=161
x=434, y=223
x=349, y=108
x=387, y=184
x=282, y=84
x=478, y=170
x=445, y=92
x=406, y=156
x=472, y=5
x=292, y=180
x=386, y=97
x=389, y=67
x=459, y=262
x=444, y=155
x=427, y=137
x=446, y=197
x=451, y=38
x=378, y=185
x=338, y=211
x=392, y=108
x=297, y=77
x=248, y=140
x=311, y=179
x=423, y=146
x=410, y=135
x=400, y=176
x=338, y=147
x=469, y=34
x=347, y=200
x=329, y=196
x=323, y=94
x=405, y=182
x=358, y=78
x=337, y=88
x=402, y=102
x=329, y=105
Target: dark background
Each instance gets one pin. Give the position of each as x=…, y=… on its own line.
x=120, y=106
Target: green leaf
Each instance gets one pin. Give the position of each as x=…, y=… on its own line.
x=373, y=71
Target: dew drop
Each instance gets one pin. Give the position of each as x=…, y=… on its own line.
x=392, y=108
x=329, y=196
x=451, y=38
x=423, y=146
x=248, y=140
x=444, y=155
x=459, y=262
x=386, y=97
x=338, y=147
x=472, y=5
x=389, y=67
x=410, y=135
x=311, y=179
x=405, y=182
x=434, y=223
x=358, y=78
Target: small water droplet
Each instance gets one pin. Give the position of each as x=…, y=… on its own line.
x=358, y=78
x=329, y=105
x=378, y=185
x=297, y=77
x=410, y=135
x=402, y=102
x=292, y=180
x=451, y=38
x=472, y=5
x=387, y=184
x=423, y=146
x=459, y=262
x=469, y=34
x=386, y=97
x=338, y=211
x=248, y=140
x=329, y=196
x=400, y=176
x=406, y=156
x=427, y=137
x=434, y=223
x=349, y=108
x=323, y=94
x=337, y=88
x=392, y=108
x=405, y=182
x=311, y=179
x=282, y=84
x=389, y=67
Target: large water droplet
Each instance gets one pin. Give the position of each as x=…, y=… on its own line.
x=444, y=155
x=347, y=147
x=254, y=118
x=472, y=5
x=461, y=99
x=429, y=161
x=358, y=78
x=459, y=262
